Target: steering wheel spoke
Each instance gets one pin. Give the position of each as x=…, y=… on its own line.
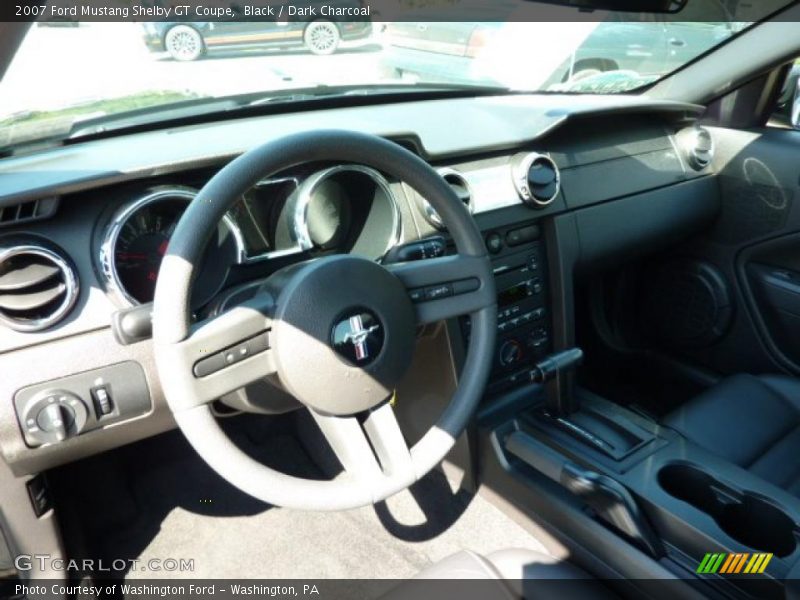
x=226, y=352
x=370, y=450
x=446, y=287
x=388, y=442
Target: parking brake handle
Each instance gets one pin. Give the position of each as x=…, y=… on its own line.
x=608, y=500
x=612, y=502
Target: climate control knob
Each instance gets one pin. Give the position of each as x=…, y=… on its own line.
x=510, y=353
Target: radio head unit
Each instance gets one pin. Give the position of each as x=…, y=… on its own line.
x=523, y=315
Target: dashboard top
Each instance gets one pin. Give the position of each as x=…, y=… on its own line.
x=496, y=122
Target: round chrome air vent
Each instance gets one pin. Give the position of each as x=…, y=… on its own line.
x=38, y=287
x=459, y=184
x=699, y=147
x=537, y=179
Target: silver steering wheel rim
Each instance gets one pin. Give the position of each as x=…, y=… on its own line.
x=377, y=462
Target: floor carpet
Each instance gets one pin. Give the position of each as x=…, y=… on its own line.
x=166, y=503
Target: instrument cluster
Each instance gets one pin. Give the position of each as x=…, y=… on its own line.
x=344, y=208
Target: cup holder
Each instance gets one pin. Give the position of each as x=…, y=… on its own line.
x=744, y=516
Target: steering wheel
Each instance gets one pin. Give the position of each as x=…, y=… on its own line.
x=339, y=333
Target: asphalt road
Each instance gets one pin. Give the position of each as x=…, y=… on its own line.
x=58, y=66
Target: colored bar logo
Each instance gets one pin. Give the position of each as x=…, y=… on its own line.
x=734, y=563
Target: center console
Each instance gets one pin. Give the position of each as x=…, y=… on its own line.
x=652, y=489
x=657, y=491
x=524, y=330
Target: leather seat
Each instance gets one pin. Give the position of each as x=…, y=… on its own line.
x=511, y=573
x=753, y=422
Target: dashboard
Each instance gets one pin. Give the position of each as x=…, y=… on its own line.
x=556, y=184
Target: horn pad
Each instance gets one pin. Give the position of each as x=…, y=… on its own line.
x=343, y=334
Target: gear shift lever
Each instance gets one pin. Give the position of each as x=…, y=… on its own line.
x=554, y=372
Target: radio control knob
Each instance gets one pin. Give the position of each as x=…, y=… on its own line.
x=510, y=353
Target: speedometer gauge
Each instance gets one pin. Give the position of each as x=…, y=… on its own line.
x=142, y=243
x=138, y=237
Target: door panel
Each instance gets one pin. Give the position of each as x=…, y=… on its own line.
x=754, y=248
x=771, y=272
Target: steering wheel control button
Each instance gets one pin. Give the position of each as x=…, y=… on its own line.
x=434, y=292
x=444, y=290
x=465, y=286
x=259, y=343
x=358, y=338
x=234, y=354
x=417, y=295
x=207, y=366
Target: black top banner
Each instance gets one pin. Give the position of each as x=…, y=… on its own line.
x=732, y=11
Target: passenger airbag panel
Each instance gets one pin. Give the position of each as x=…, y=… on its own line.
x=640, y=224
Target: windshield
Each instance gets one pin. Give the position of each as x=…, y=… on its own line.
x=68, y=72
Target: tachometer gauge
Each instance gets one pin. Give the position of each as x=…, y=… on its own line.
x=137, y=239
x=328, y=215
x=345, y=208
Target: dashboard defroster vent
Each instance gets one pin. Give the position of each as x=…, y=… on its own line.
x=31, y=210
x=699, y=147
x=38, y=287
x=459, y=184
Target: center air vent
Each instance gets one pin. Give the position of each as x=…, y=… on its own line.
x=698, y=146
x=537, y=179
x=460, y=186
x=38, y=287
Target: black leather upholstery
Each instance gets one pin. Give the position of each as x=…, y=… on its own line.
x=752, y=421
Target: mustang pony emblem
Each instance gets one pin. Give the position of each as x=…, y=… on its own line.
x=358, y=335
